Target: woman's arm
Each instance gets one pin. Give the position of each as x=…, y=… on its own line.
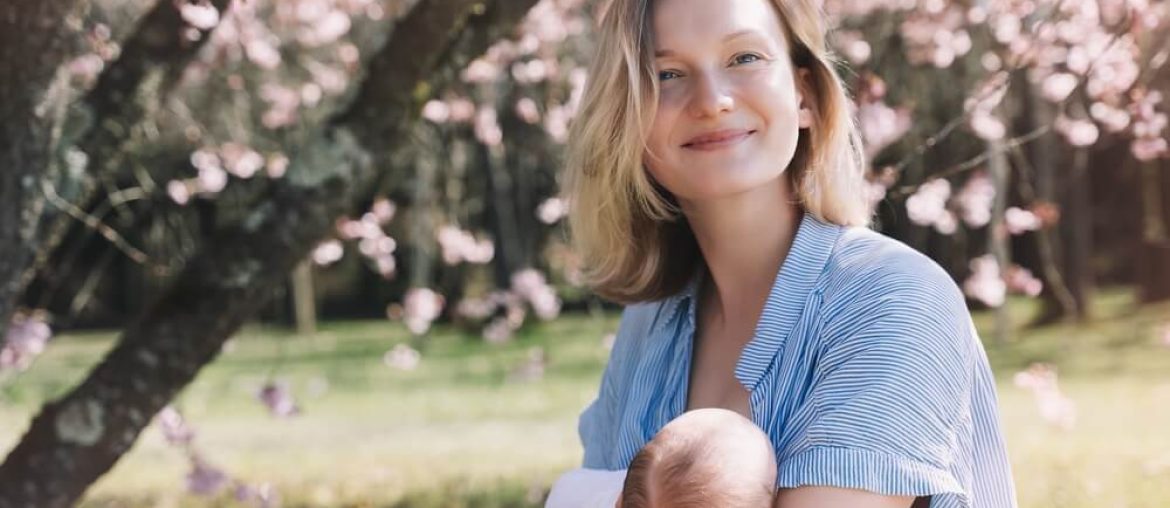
x=833, y=497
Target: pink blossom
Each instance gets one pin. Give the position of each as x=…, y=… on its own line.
x=853, y=46
x=927, y=206
x=179, y=191
x=881, y=125
x=205, y=479
x=1055, y=408
x=986, y=125
x=85, y=68
x=556, y=123
x=211, y=180
x=327, y=253
x=263, y=54
x=240, y=160
x=552, y=210
x=279, y=401
x=24, y=340
x=462, y=110
x=460, y=246
x=1113, y=119
x=527, y=111
x=1076, y=132
x=201, y=15
x=531, y=285
x=436, y=111
x=276, y=165
x=174, y=428
x=975, y=200
x=383, y=210
x=263, y=495
x=1058, y=86
x=1021, y=280
x=487, y=128
x=331, y=80
x=1148, y=149
x=311, y=94
x=498, y=331
x=327, y=29
x=985, y=283
x=402, y=357
x=1019, y=221
x=480, y=71
x=283, y=103
x=421, y=306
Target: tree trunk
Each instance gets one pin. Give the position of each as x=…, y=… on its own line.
x=1154, y=256
x=304, y=298
x=77, y=438
x=34, y=43
x=998, y=241
x=1076, y=227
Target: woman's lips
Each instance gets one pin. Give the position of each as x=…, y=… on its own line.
x=718, y=140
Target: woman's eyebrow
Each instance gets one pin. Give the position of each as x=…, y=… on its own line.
x=663, y=53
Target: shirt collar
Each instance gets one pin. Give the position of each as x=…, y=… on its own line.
x=791, y=288
x=797, y=277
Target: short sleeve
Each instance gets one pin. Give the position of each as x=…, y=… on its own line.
x=597, y=424
x=890, y=393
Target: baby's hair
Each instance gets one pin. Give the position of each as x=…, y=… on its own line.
x=680, y=468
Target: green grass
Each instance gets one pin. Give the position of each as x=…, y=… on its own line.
x=458, y=432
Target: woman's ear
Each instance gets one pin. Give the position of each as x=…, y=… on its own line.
x=804, y=115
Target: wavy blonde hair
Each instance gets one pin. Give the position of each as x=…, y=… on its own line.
x=634, y=243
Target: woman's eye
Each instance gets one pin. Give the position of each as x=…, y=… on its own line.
x=746, y=58
x=666, y=75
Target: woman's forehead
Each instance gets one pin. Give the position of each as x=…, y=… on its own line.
x=678, y=23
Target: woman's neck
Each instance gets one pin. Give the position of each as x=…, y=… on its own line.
x=744, y=239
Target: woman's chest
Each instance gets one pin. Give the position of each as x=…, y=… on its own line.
x=712, y=381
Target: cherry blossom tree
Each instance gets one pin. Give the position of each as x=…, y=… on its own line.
x=78, y=437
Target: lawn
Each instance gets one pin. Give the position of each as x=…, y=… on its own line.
x=462, y=430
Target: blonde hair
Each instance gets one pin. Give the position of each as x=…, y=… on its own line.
x=627, y=228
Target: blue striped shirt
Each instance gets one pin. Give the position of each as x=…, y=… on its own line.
x=865, y=371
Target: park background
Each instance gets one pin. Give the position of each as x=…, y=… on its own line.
x=311, y=252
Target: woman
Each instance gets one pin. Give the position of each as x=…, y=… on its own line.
x=715, y=177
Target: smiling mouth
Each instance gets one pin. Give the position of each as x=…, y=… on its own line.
x=719, y=142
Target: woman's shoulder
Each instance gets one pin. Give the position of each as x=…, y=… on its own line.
x=867, y=271
x=866, y=258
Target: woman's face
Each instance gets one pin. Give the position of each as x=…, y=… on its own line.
x=729, y=111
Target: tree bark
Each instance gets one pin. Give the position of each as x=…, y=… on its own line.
x=34, y=43
x=1154, y=257
x=79, y=437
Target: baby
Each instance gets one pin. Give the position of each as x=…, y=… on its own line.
x=704, y=458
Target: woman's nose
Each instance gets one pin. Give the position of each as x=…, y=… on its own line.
x=710, y=97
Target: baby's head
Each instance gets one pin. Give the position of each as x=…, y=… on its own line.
x=706, y=457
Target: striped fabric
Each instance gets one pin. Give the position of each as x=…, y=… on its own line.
x=865, y=371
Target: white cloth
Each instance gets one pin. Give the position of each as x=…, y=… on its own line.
x=586, y=488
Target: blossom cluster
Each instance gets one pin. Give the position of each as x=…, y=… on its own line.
x=1056, y=408
x=204, y=478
